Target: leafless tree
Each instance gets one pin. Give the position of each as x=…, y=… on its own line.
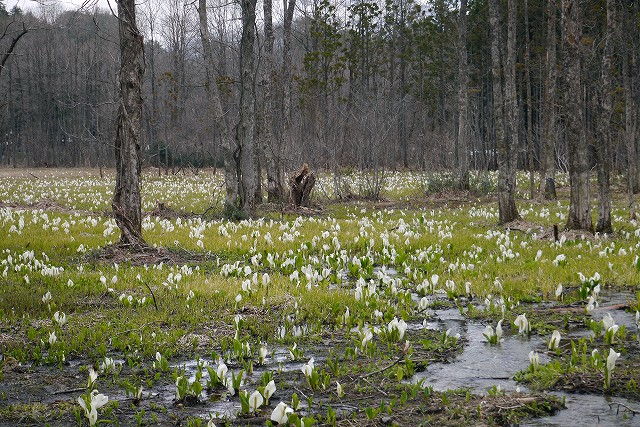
x=579, y=207
x=246, y=125
x=603, y=138
x=221, y=130
x=549, y=116
x=126, y=201
x=271, y=146
x=504, y=108
x=463, y=97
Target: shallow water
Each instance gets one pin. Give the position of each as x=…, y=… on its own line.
x=482, y=366
x=589, y=410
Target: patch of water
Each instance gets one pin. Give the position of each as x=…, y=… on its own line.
x=589, y=410
x=621, y=317
x=481, y=366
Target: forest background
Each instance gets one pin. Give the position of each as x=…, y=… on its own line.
x=367, y=85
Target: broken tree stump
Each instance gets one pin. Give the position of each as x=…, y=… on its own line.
x=300, y=184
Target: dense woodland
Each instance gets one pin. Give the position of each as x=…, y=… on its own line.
x=370, y=85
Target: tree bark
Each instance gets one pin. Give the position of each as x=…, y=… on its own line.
x=630, y=117
x=579, y=209
x=603, y=142
x=301, y=183
x=634, y=84
x=246, y=126
x=529, y=101
x=549, y=128
x=231, y=180
x=402, y=75
x=126, y=202
x=286, y=74
x=271, y=146
x=463, y=98
x=504, y=99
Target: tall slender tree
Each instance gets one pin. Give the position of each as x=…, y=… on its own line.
x=126, y=201
x=574, y=102
x=286, y=75
x=504, y=108
x=529, y=101
x=549, y=116
x=463, y=97
x=511, y=114
x=271, y=145
x=221, y=130
x=603, y=140
x=630, y=113
x=246, y=126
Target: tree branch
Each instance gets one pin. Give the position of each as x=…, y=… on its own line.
x=14, y=42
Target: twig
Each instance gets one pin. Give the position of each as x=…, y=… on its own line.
x=300, y=391
x=133, y=330
x=633, y=411
x=398, y=360
x=384, y=393
x=35, y=176
x=187, y=251
x=152, y=295
x=254, y=420
x=521, y=402
x=508, y=408
x=71, y=390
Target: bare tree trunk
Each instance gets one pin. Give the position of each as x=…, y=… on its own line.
x=603, y=142
x=634, y=85
x=286, y=74
x=527, y=68
x=504, y=99
x=154, y=93
x=579, y=208
x=549, y=128
x=629, y=120
x=463, y=97
x=511, y=108
x=222, y=132
x=126, y=202
x=271, y=146
x=402, y=71
x=246, y=126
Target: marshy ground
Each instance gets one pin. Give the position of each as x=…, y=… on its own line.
x=391, y=299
